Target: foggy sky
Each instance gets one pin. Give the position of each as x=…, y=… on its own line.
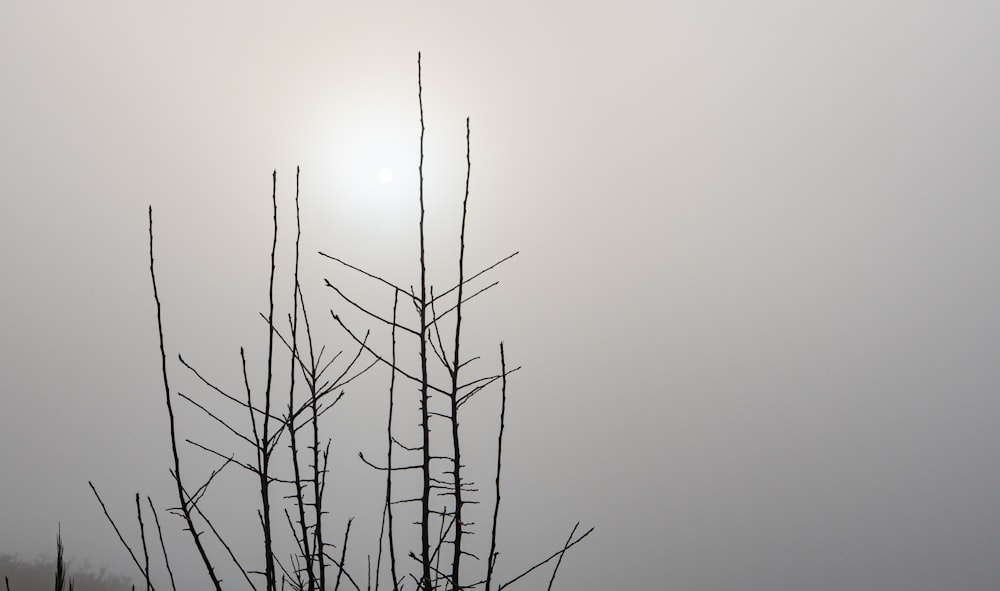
x=757, y=301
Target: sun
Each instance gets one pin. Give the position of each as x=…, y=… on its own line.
x=385, y=176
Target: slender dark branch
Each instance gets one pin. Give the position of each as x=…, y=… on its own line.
x=142, y=537
x=222, y=541
x=249, y=405
x=554, y=555
x=452, y=309
x=293, y=439
x=439, y=349
x=391, y=469
x=388, y=475
x=456, y=362
x=561, y=554
x=343, y=557
x=318, y=472
x=265, y=455
x=387, y=362
x=480, y=387
x=219, y=390
x=476, y=276
x=244, y=465
x=216, y=417
x=117, y=531
x=363, y=272
x=491, y=558
x=163, y=546
x=425, y=540
x=201, y=490
x=367, y=311
x=407, y=448
x=185, y=511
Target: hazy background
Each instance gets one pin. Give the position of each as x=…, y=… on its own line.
x=757, y=305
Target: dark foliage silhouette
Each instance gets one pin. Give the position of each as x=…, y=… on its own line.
x=37, y=575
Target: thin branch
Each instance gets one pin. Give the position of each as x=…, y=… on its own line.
x=385, y=361
x=173, y=428
x=475, y=276
x=219, y=390
x=117, y=531
x=216, y=417
x=362, y=271
x=265, y=455
x=367, y=311
x=222, y=541
x=388, y=475
x=142, y=537
x=390, y=468
x=561, y=554
x=453, y=308
x=201, y=490
x=159, y=532
x=343, y=556
x=491, y=558
x=554, y=555
x=456, y=362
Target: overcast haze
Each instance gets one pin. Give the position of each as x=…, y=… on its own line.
x=757, y=301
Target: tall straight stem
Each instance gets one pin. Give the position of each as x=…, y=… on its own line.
x=456, y=363
x=265, y=443
x=184, y=505
x=425, y=497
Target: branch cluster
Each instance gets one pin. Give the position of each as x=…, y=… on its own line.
x=282, y=447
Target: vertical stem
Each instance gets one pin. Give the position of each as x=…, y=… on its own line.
x=388, y=473
x=343, y=554
x=145, y=548
x=299, y=500
x=265, y=443
x=425, y=508
x=318, y=472
x=456, y=363
x=184, y=506
x=159, y=531
x=491, y=559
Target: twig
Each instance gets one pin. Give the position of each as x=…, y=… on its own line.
x=186, y=513
x=475, y=276
x=559, y=553
x=117, y=531
x=388, y=475
x=264, y=454
x=142, y=536
x=492, y=558
x=425, y=540
x=343, y=556
x=363, y=272
x=456, y=441
x=159, y=531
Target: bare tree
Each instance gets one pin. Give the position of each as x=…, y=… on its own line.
x=444, y=381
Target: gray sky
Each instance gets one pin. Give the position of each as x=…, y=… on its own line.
x=756, y=303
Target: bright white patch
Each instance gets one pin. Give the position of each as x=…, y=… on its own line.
x=385, y=176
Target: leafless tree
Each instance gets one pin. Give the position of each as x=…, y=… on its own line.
x=445, y=382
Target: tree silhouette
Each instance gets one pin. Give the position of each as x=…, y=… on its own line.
x=432, y=326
